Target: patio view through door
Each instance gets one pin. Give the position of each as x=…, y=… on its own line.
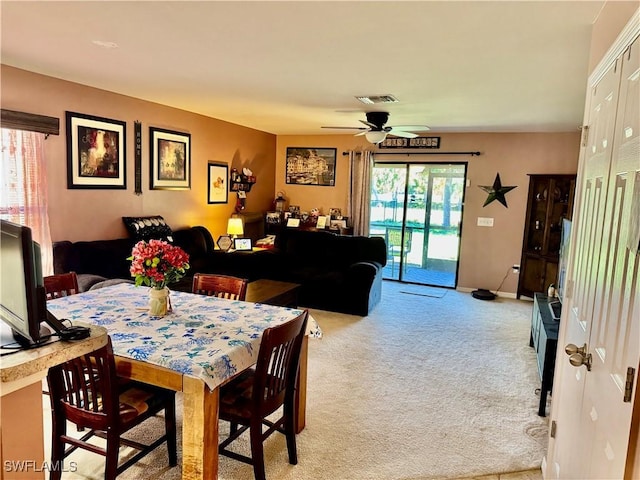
x=417, y=209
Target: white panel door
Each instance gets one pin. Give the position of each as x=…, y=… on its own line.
x=592, y=421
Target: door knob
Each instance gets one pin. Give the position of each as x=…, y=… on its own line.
x=578, y=359
x=571, y=349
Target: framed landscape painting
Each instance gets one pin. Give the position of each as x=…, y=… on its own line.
x=311, y=166
x=170, y=160
x=96, y=152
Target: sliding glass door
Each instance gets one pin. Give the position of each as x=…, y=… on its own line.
x=417, y=209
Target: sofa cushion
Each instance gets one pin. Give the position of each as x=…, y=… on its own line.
x=147, y=228
x=107, y=258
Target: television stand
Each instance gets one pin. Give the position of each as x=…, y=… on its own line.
x=544, y=338
x=24, y=342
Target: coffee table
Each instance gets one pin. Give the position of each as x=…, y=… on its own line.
x=273, y=292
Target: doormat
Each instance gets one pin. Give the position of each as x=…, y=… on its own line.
x=433, y=293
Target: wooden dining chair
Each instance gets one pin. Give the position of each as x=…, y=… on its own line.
x=61, y=285
x=86, y=391
x=252, y=396
x=221, y=286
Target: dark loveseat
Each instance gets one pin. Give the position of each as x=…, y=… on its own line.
x=336, y=273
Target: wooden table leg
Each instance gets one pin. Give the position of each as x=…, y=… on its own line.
x=199, y=431
x=301, y=387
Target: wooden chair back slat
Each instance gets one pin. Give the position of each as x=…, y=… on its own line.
x=221, y=286
x=61, y=285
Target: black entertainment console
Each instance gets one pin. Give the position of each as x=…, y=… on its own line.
x=544, y=338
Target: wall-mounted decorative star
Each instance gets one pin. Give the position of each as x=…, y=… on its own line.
x=496, y=192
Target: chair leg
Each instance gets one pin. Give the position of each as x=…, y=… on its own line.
x=290, y=433
x=257, y=452
x=111, y=464
x=57, y=449
x=170, y=430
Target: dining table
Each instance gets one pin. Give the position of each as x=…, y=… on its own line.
x=200, y=344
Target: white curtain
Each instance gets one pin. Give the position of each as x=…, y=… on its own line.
x=23, y=192
x=359, y=201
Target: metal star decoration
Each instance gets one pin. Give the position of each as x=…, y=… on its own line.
x=496, y=192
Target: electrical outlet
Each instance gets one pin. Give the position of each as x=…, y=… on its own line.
x=515, y=268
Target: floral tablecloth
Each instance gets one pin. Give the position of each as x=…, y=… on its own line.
x=204, y=337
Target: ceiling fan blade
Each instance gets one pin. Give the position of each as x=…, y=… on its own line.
x=362, y=133
x=369, y=124
x=347, y=128
x=402, y=134
x=411, y=128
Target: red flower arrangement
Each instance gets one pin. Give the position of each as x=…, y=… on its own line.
x=157, y=263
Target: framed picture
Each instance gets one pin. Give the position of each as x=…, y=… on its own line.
x=96, y=152
x=242, y=244
x=273, y=218
x=293, y=222
x=170, y=160
x=224, y=243
x=338, y=224
x=322, y=222
x=217, y=175
x=294, y=210
x=311, y=166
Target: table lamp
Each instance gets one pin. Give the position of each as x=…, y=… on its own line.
x=235, y=227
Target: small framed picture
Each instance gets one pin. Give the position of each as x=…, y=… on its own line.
x=217, y=191
x=338, y=224
x=170, y=160
x=242, y=244
x=273, y=218
x=96, y=149
x=224, y=243
x=293, y=222
x=322, y=222
x=294, y=210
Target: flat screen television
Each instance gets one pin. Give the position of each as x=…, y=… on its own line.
x=23, y=303
x=565, y=238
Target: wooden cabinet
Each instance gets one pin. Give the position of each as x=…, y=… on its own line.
x=550, y=200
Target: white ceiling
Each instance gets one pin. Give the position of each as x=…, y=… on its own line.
x=292, y=67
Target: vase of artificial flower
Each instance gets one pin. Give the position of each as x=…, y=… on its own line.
x=158, y=301
x=158, y=264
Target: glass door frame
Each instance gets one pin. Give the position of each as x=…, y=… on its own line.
x=429, y=200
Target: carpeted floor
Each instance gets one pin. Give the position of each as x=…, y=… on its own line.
x=429, y=386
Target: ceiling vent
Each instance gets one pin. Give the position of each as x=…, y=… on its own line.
x=376, y=99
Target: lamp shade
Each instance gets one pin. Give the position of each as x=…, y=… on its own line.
x=234, y=226
x=375, y=136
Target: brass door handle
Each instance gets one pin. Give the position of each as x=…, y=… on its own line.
x=571, y=349
x=578, y=356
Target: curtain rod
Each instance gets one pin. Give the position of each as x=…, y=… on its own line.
x=425, y=153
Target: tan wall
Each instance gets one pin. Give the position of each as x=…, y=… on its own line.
x=486, y=253
x=611, y=20
x=96, y=214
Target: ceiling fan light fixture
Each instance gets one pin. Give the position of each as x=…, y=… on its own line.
x=375, y=136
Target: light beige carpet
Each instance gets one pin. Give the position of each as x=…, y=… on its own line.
x=422, y=388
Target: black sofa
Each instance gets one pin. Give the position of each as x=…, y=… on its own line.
x=336, y=273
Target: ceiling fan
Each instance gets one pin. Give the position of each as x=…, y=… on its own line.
x=376, y=131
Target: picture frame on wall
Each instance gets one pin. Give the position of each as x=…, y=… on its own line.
x=217, y=191
x=170, y=152
x=311, y=166
x=96, y=152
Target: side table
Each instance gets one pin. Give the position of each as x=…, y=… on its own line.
x=273, y=292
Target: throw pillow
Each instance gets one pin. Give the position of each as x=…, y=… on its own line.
x=148, y=228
